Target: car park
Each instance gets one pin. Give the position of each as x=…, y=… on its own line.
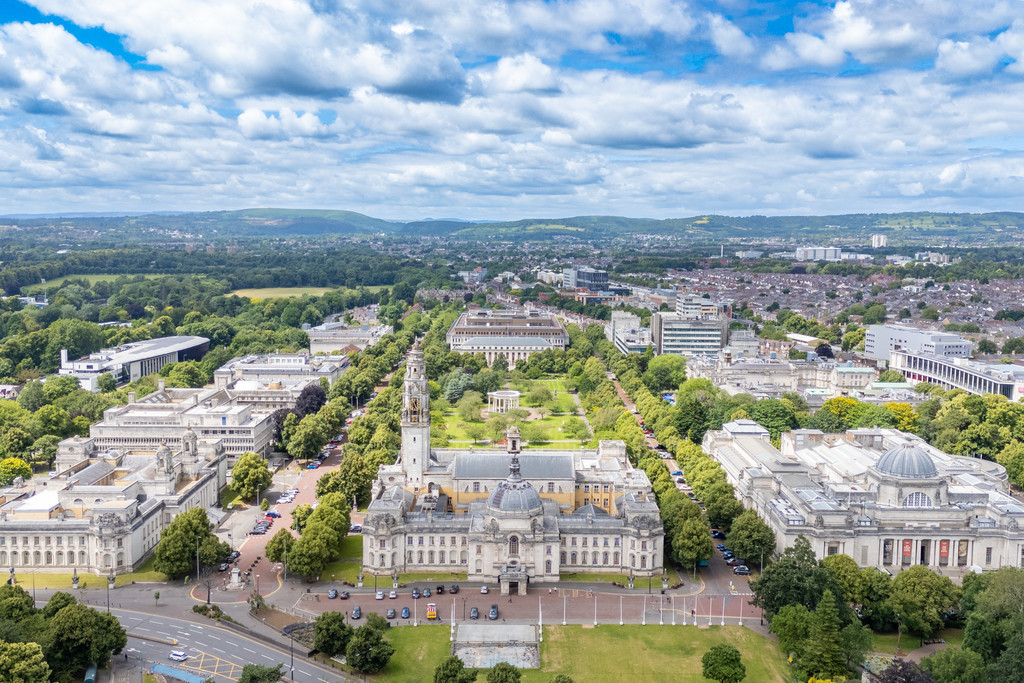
x=474, y=613
x=393, y=595
x=177, y=656
x=379, y=595
x=741, y=570
x=390, y=614
x=415, y=593
x=493, y=614
x=454, y=588
x=483, y=590
x=405, y=612
x=357, y=612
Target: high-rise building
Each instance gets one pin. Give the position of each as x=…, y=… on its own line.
x=879, y=241
x=881, y=340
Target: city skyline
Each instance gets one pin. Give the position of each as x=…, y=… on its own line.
x=495, y=110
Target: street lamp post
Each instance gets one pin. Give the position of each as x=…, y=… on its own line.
x=110, y=583
x=463, y=608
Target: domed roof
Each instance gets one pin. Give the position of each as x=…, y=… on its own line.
x=907, y=461
x=514, y=495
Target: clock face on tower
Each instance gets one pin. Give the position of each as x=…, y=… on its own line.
x=414, y=409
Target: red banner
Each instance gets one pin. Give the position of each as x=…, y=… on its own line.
x=943, y=548
x=907, y=548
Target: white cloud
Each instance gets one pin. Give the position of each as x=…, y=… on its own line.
x=728, y=39
x=968, y=58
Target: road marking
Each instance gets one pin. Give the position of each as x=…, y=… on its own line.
x=266, y=657
x=214, y=637
x=140, y=628
x=248, y=650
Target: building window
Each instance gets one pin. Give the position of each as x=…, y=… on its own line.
x=476, y=487
x=419, y=557
x=573, y=556
x=917, y=500
x=431, y=540
x=573, y=542
x=643, y=562
x=513, y=546
x=643, y=545
x=479, y=550
x=584, y=541
x=616, y=542
x=420, y=541
x=551, y=487
x=604, y=558
x=430, y=555
x=440, y=557
x=615, y=558
x=409, y=540
x=547, y=567
x=988, y=555
x=561, y=557
x=586, y=488
x=383, y=544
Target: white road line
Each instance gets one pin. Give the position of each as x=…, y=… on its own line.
x=140, y=628
x=266, y=657
x=248, y=650
x=219, y=650
x=214, y=637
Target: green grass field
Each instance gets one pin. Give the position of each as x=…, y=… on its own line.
x=145, y=573
x=346, y=568
x=285, y=292
x=605, y=653
x=885, y=643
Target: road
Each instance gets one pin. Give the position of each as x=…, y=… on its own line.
x=213, y=651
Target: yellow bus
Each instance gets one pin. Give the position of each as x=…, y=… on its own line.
x=431, y=611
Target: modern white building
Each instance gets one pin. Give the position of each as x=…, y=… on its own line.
x=773, y=377
x=338, y=337
x=884, y=497
x=879, y=241
x=280, y=367
x=627, y=333
x=881, y=340
x=104, y=510
x=167, y=414
x=129, y=362
x=689, y=335
x=972, y=376
x=819, y=254
x=507, y=515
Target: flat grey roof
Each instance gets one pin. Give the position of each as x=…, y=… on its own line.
x=483, y=466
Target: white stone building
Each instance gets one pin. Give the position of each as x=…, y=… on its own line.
x=507, y=515
x=129, y=362
x=515, y=334
x=884, y=497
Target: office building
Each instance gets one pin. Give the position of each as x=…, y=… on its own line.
x=338, y=337
x=626, y=332
x=974, y=377
x=879, y=241
x=687, y=335
x=585, y=278
x=881, y=340
x=819, y=254
x=129, y=362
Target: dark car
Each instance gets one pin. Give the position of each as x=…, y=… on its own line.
x=728, y=553
x=405, y=612
x=454, y=588
x=234, y=556
x=742, y=570
x=344, y=595
x=493, y=614
x=357, y=612
x=720, y=547
x=732, y=562
x=474, y=613
x=415, y=593
x=426, y=592
x=223, y=567
x=356, y=529
x=715, y=533
x=439, y=590
x=259, y=531
x=273, y=513
x=390, y=614
x=332, y=594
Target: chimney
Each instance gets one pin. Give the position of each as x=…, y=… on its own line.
x=63, y=357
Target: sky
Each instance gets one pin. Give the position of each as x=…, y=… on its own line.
x=506, y=109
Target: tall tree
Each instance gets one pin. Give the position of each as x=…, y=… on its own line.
x=921, y=597
x=503, y=672
x=750, y=537
x=81, y=636
x=955, y=665
x=823, y=654
x=368, y=651
x=250, y=475
x=177, y=549
x=452, y=670
x=280, y=545
x=23, y=663
x=331, y=634
x=795, y=578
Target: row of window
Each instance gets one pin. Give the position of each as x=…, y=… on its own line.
x=49, y=558
x=409, y=540
x=596, y=558
x=47, y=540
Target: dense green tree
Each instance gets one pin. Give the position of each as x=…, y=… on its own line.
x=368, y=651
x=23, y=663
x=921, y=597
x=503, y=672
x=774, y=415
x=257, y=673
x=665, y=373
x=750, y=538
x=823, y=652
x=846, y=573
x=691, y=542
x=314, y=549
x=955, y=665
x=279, y=546
x=796, y=578
x=792, y=626
x=11, y=468
x=310, y=436
x=903, y=671
x=987, y=346
x=331, y=634
x=1008, y=668
x=57, y=602
x=250, y=475
x=81, y=636
x=854, y=641
x=891, y=376
x=452, y=670
x=16, y=603
x=176, y=552
x=722, y=506
x=722, y=663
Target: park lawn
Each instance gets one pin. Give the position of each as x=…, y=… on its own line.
x=229, y=499
x=650, y=653
x=285, y=292
x=885, y=643
x=602, y=578
x=145, y=573
x=418, y=650
x=347, y=567
x=607, y=653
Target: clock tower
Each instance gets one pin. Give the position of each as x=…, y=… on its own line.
x=415, y=419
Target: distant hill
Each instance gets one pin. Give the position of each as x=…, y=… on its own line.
x=918, y=227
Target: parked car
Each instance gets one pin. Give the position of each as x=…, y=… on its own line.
x=313, y=465
x=344, y=595
x=426, y=592
x=715, y=533
x=390, y=614
x=732, y=562
x=223, y=567
x=727, y=553
x=332, y=594
x=234, y=556
x=357, y=612
x=379, y=595
x=741, y=570
x=474, y=613
x=393, y=595
x=356, y=529
x=177, y=656
x=415, y=593
x=258, y=531
x=454, y=588
x=439, y=590
x=677, y=473
x=483, y=590
x=405, y=612
x=273, y=514
x=720, y=547
x=493, y=614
